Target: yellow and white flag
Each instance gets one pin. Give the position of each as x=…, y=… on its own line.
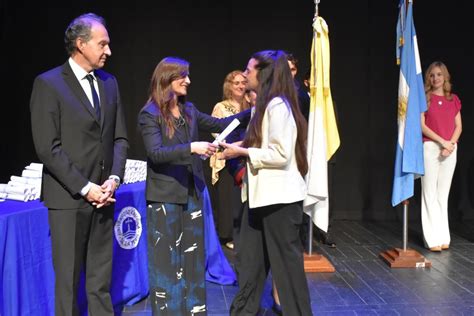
x=323, y=136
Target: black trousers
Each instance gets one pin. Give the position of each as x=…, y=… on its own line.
x=238, y=217
x=226, y=201
x=269, y=238
x=82, y=239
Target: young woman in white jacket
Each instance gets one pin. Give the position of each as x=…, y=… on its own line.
x=275, y=149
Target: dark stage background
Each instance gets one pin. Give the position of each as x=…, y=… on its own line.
x=217, y=37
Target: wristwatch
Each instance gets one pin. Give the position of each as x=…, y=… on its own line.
x=117, y=182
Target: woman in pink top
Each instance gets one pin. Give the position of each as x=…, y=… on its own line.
x=441, y=125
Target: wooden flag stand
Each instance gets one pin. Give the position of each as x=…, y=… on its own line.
x=409, y=258
x=405, y=258
x=315, y=262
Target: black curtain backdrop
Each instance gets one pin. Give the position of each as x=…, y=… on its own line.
x=219, y=36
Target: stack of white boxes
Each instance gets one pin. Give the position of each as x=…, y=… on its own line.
x=135, y=171
x=25, y=188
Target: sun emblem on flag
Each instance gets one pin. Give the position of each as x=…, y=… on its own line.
x=402, y=106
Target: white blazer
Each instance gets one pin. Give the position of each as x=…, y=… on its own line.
x=272, y=173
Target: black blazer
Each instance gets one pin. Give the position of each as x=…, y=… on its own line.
x=70, y=141
x=170, y=162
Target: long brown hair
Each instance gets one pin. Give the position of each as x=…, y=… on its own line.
x=275, y=80
x=447, y=81
x=161, y=95
x=227, y=89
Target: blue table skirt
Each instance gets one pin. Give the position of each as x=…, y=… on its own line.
x=26, y=268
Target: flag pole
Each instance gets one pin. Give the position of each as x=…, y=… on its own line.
x=405, y=224
x=310, y=223
x=405, y=257
x=316, y=8
x=310, y=233
x=314, y=262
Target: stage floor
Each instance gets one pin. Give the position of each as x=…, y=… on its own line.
x=364, y=285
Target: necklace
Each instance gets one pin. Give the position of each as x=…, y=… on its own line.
x=178, y=122
x=439, y=99
x=230, y=107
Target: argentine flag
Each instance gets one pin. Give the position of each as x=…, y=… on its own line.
x=411, y=103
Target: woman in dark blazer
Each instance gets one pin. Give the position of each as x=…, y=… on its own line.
x=174, y=187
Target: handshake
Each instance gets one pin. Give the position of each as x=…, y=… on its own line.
x=102, y=195
x=216, y=145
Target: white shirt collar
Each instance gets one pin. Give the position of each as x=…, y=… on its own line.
x=78, y=71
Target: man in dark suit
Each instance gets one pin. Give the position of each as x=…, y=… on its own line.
x=303, y=96
x=80, y=136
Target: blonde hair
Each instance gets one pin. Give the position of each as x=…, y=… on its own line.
x=227, y=89
x=447, y=81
